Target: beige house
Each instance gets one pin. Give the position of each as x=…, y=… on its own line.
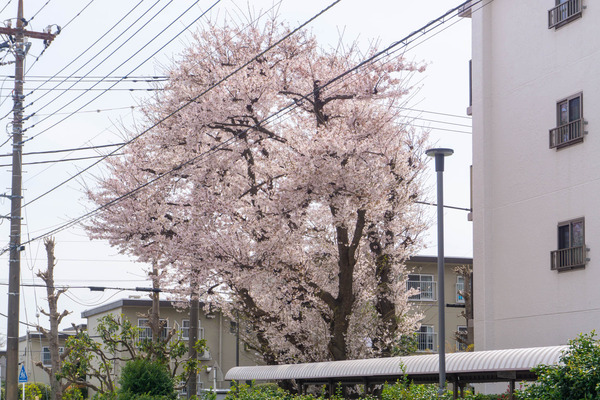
x=424, y=277
x=224, y=351
x=33, y=348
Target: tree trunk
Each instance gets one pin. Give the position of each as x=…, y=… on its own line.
x=55, y=319
x=345, y=300
x=193, y=336
x=154, y=317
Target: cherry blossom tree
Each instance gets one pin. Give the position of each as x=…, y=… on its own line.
x=298, y=223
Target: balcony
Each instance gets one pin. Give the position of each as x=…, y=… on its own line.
x=427, y=290
x=567, y=134
x=564, y=13
x=569, y=258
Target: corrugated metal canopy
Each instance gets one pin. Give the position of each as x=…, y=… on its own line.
x=480, y=366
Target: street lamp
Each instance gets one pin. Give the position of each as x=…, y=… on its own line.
x=439, y=155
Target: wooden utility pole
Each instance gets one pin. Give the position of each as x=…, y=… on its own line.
x=12, y=334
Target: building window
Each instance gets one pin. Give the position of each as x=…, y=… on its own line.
x=460, y=288
x=182, y=392
x=571, y=251
x=233, y=327
x=47, y=356
x=146, y=331
x=426, y=338
x=569, y=122
x=564, y=12
x=425, y=284
x=185, y=329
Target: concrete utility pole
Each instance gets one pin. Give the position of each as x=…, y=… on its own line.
x=439, y=155
x=12, y=334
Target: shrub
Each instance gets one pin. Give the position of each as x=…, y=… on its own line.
x=35, y=389
x=147, y=378
x=576, y=377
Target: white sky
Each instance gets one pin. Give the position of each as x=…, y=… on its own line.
x=444, y=89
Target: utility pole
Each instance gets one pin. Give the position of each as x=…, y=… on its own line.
x=12, y=334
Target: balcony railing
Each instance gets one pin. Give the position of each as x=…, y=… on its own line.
x=572, y=257
x=427, y=290
x=563, y=13
x=427, y=341
x=567, y=134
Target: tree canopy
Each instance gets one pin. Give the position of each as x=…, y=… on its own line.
x=299, y=223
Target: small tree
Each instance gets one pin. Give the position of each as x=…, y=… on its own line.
x=577, y=376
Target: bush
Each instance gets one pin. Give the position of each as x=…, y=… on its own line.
x=143, y=380
x=35, y=389
x=576, y=377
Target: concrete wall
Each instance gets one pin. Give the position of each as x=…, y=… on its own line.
x=522, y=188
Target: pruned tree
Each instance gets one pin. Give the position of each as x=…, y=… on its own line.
x=55, y=317
x=301, y=223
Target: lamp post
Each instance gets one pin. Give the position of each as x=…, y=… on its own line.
x=439, y=155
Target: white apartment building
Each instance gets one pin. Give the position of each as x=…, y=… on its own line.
x=536, y=171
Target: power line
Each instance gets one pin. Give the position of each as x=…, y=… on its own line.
x=91, y=111
x=6, y=5
x=83, y=78
x=98, y=40
x=101, y=146
x=95, y=288
x=61, y=160
x=435, y=112
x=128, y=59
x=404, y=42
x=87, y=215
x=112, y=89
x=78, y=14
x=38, y=11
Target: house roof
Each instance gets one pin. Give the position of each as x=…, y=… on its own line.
x=480, y=366
x=447, y=260
x=39, y=335
x=124, y=303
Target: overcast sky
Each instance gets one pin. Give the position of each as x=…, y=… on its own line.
x=439, y=105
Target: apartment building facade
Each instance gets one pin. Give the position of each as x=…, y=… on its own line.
x=536, y=171
x=423, y=276
x=220, y=333
x=33, y=349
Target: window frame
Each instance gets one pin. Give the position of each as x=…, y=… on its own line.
x=46, y=351
x=427, y=337
x=145, y=332
x=185, y=330
x=429, y=295
x=568, y=133
x=571, y=255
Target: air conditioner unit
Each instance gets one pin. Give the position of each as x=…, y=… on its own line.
x=205, y=356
